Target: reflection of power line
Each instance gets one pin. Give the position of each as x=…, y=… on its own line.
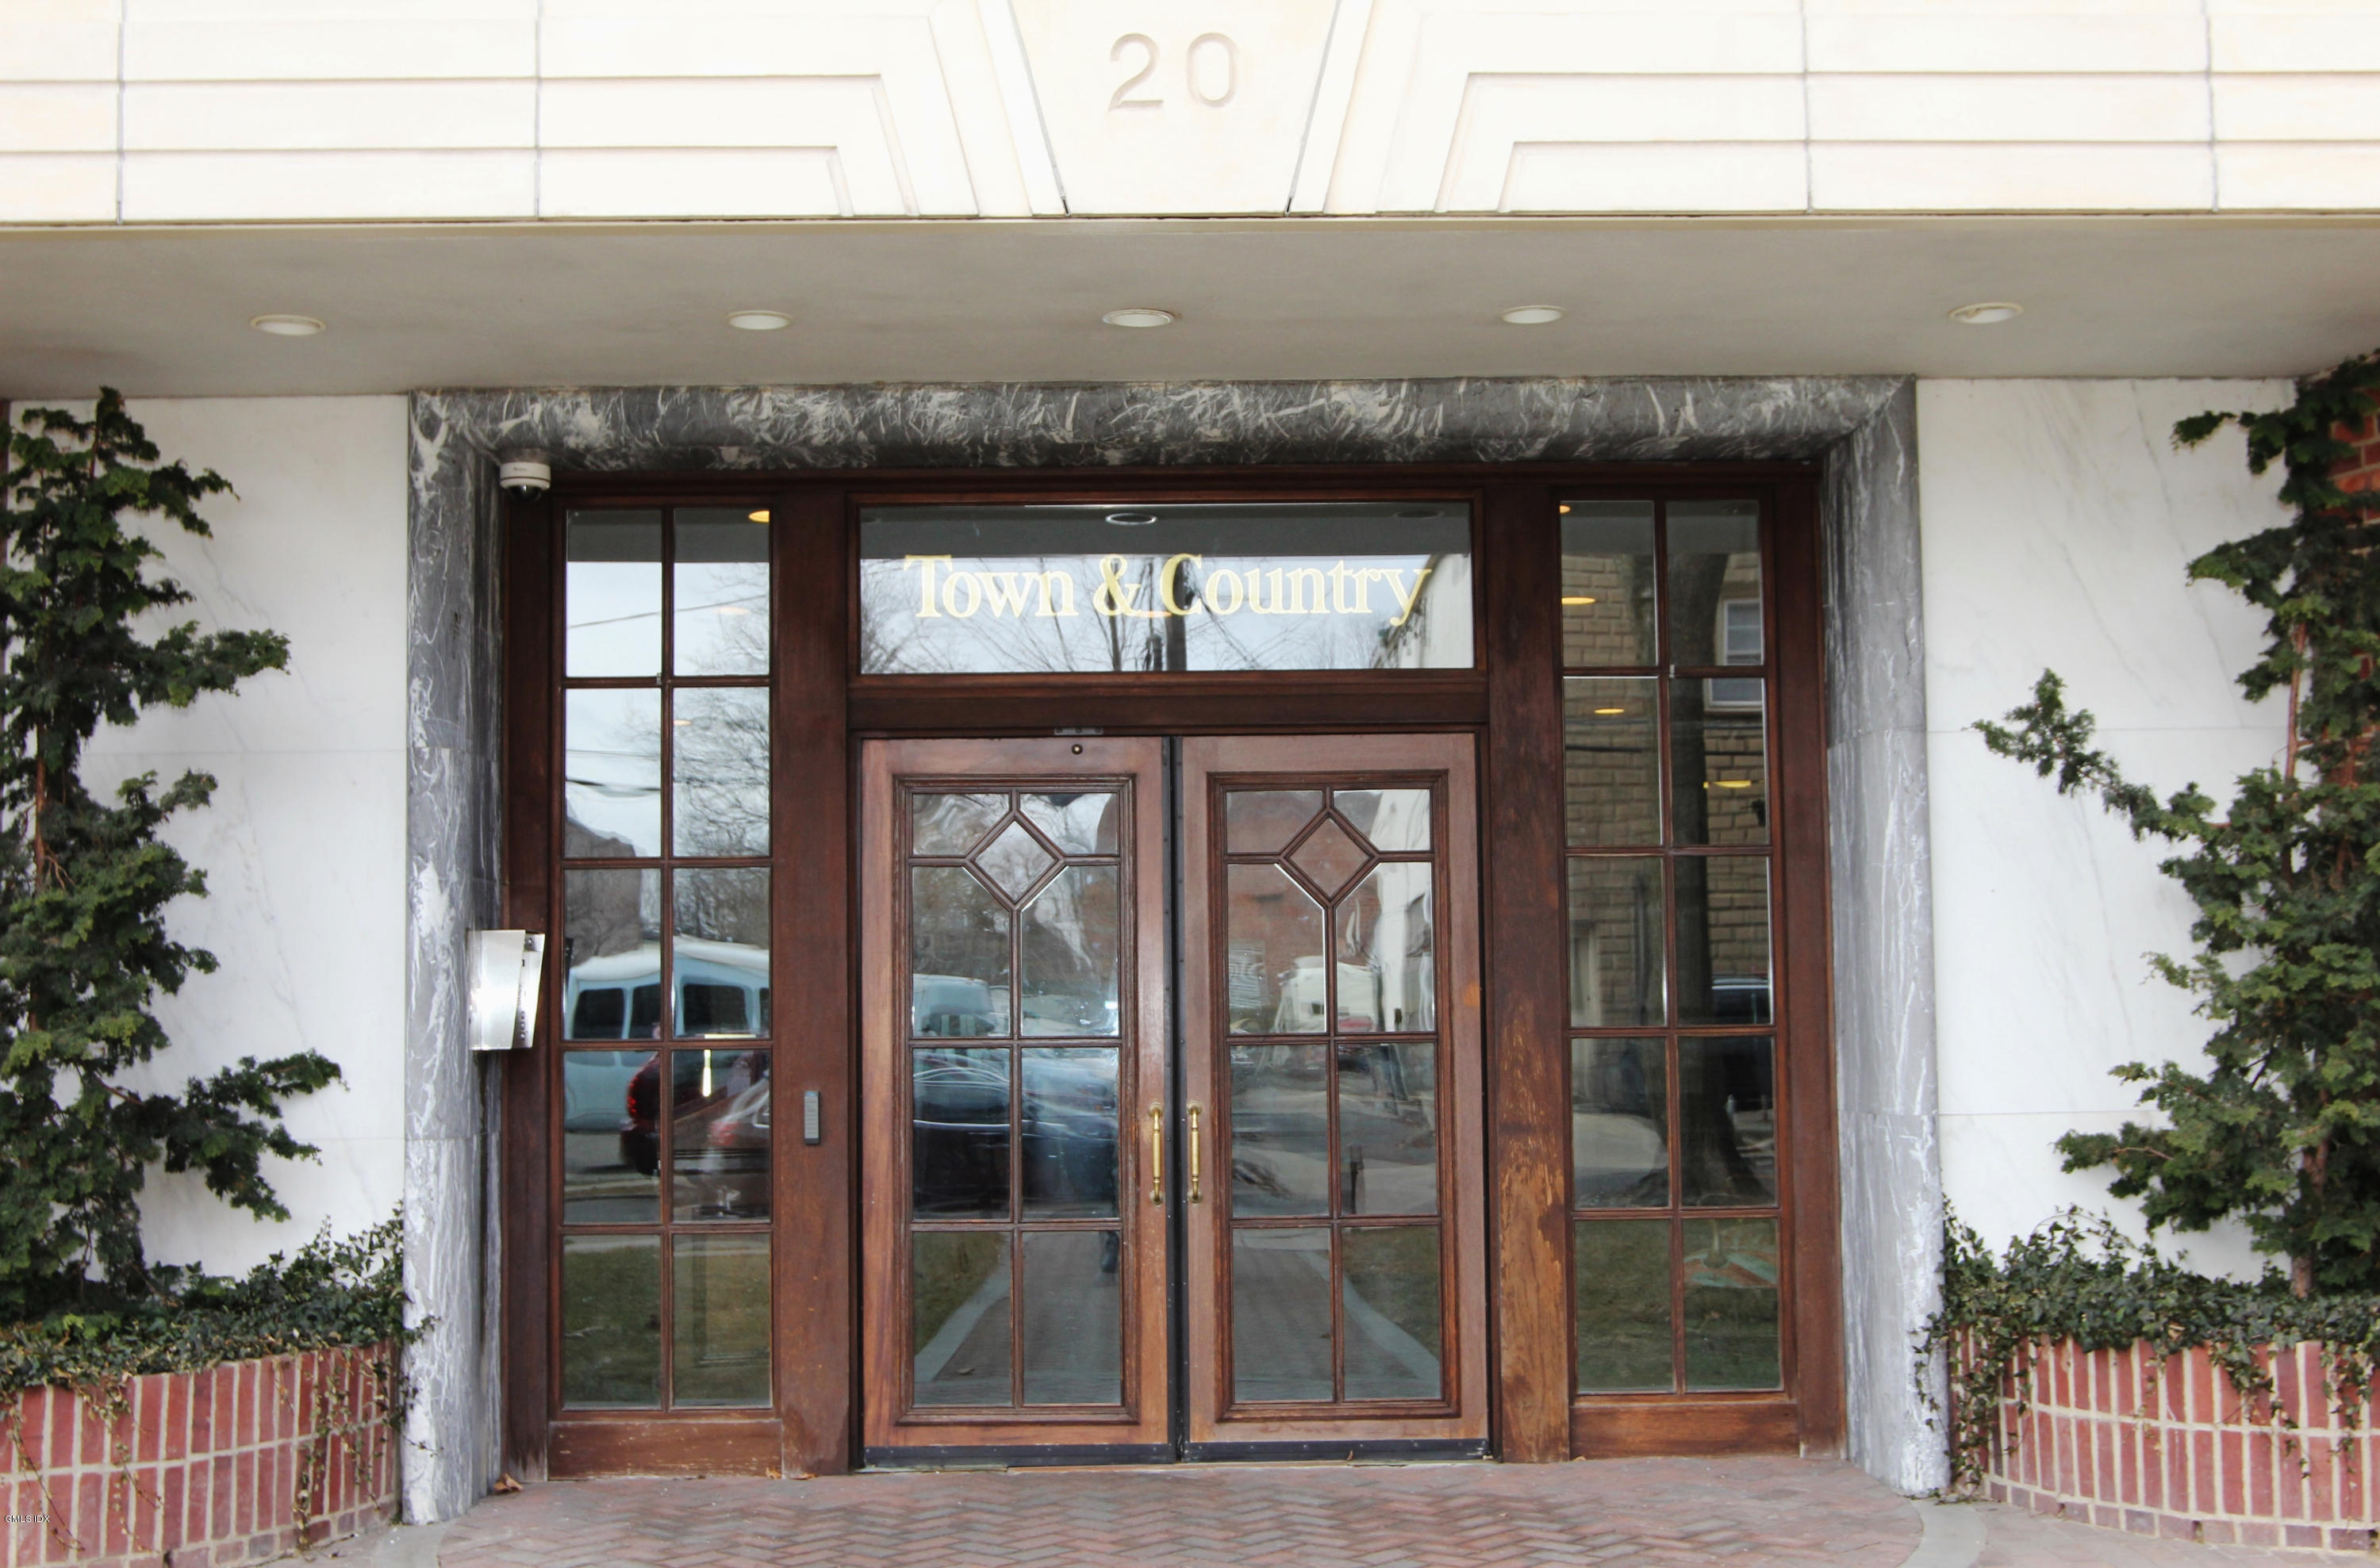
x=605, y=787
x=760, y=598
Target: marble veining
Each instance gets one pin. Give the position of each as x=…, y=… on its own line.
x=1863, y=427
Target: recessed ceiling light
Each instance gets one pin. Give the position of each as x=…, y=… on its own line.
x=1140, y=316
x=1131, y=519
x=286, y=326
x=1989, y=313
x=758, y=321
x=1531, y=315
x=1578, y=598
x=762, y=516
x=1607, y=711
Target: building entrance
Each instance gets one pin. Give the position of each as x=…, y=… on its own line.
x=1171, y=1098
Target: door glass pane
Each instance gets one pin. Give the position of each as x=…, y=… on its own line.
x=720, y=1329
x=1281, y=1130
x=1273, y=953
x=611, y=950
x=1732, y=1335
x=958, y=1133
x=1014, y=859
x=612, y=1322
x=1389, y=1300
x=1606, y=583
x=1615, y=941
x=1068, y=955
x=1394, y=821
x=1727, y=1120
x=1714, y=563
x=1078, y=824
x=1387, y=1128
x=719, y=766
x=611, y=774
x=720, y=617
x=1387, y=944
x=1259, y=822
x=720, y=957
x=1611, y=768
x=1619, y=1124
x=1201, y=587
x=1621, y=1268
x=612, y=591
x=952, y=825
x=719, y=1133
x=611, y=1154
x=958, y=956
x=1069, y=1130
x=1329, y=857
x=1281, y=1314
x=1722, y=940
x=1719, y=759
x=958, y=1317
x=1070, y=1321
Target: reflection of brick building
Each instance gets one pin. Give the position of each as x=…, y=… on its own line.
x=1714, y=773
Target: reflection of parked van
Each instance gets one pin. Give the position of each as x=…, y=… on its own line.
x=595, y=1089
x=722, y=990
x=952, y=1006
x=1302, y=1000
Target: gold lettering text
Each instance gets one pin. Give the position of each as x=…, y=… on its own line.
x=1169, y=577
x=1405, y=601
x=1298, y=578
x=950, y=586
x=1216, y=583
x=926, y=582
x=1064, y=582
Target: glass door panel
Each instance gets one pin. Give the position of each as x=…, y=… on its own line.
x=1330, y=1065
x=1013, y=941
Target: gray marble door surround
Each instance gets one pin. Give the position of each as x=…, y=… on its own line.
x=1862, y=428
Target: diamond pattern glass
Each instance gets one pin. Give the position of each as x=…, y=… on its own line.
x=1330, y=856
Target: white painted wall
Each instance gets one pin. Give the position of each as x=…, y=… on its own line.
x=2057, y=521
x=164, y=111
x=304, y=845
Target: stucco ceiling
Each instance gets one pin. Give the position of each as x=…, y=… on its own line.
x=164, y=311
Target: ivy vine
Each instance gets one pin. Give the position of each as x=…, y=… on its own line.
x=2080, y=1281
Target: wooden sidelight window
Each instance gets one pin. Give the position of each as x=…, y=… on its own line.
x=1679, y=1115
x=663, y=1151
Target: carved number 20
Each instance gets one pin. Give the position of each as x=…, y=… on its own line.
x=1210, y=53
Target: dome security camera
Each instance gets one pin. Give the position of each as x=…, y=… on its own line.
x=523, y=477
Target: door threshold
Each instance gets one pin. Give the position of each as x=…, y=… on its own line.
x=1385, y=1450
x=1019, y=1457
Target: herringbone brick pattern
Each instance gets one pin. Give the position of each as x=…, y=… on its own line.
x=1648, y=1513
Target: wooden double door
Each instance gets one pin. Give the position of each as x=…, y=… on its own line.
x=1170, y=1100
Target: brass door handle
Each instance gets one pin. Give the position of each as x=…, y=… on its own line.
x=1195, y=1109
x=1157, y=1153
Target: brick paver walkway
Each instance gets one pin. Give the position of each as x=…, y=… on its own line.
x=1635, y=1512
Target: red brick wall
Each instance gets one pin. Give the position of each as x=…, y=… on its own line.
x=2360, y=472
x=212, y=1467
x=2164, y=1445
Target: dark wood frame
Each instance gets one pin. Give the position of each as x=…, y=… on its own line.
x=1511, y=702
x=1445, y=764
x=888, y=769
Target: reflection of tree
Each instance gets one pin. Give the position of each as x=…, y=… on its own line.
x=724, y=905
x=721, y=761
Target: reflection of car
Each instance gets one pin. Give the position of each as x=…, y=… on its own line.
x=1739, y=998
x=952, y=1006
x=719, y=1127
x=958, y=1132
x=723, y=989
x=594, y=1091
